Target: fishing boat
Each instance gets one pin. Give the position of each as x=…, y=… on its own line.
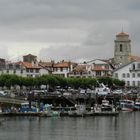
x=105, y=109
x=137, y=105
x=79, y=112
x=48, y=112
x=102, y=90
x=105, y=106
x=126, y=105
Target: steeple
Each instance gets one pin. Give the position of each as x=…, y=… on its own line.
x=122, y=48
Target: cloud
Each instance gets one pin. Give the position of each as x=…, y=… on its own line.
x=71, y=29
x=4, y=51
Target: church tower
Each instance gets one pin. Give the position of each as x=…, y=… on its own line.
x=122, y=50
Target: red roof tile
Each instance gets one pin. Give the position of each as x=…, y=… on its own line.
x=60, y=65
x=122, y=34
x=28, y=65
x=80, y=68
x=136, y=58
x=100, y=68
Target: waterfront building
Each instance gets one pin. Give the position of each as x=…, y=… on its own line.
x=81, y=70
x=100, y=68
x=94, y=68
x=127, y=66
x=24, y=68
x=63, y=68
x=129, y=72
x=47, y=65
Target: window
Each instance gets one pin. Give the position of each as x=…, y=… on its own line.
x=61, y=69
x=138, y=65
x=17, y=66
x=27, y=70
x=116, y=75
x=37, y=70
x=14, y=71
x=133, y=83
x=123, y=75
x=98, y=73
x=133, y=75
x=128, y=83
x=21, y=71
x=138, y=83
x=128, y=75
x=31, y=70
x=121, y=49
x=138, y=74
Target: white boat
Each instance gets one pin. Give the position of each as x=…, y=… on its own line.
x=79, y=112
x=102, y=90
x=126, y=105
x=105, y=106
x=137, y=104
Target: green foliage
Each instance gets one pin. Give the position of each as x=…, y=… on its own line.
x=53, y=81
x=117, y=82
x=106, y=80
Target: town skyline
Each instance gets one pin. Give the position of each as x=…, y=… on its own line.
x=71, y=30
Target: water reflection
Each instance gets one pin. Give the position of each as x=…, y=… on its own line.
x=124, y=127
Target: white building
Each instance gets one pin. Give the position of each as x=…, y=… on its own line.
x=94, y=68
x=129, y=72
x=24, y=69
x=100, y=68
x=63, y=68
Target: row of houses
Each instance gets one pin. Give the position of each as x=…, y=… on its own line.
x=130, y=72
x=123, y=65
x=31, y=67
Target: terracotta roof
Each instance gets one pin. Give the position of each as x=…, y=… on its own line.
x=46, y=64
x=28, y=65
x=122, y=34
x=62, y=65
x=100, y=68
x=80, y=68
x=136, y=58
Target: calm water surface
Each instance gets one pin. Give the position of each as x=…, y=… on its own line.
x=124, y=127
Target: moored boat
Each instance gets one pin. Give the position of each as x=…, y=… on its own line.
x=137, y=105
x=126, y=105
x=105, y=106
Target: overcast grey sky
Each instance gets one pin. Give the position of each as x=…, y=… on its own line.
x=66, y=29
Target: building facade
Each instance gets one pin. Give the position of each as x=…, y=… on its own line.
x=63, y=68
x=94, y=68
x=130, y=73
x=24, y=69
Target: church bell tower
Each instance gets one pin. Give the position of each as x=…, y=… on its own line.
x=122, y=50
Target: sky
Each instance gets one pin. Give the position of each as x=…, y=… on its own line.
x=76, y=30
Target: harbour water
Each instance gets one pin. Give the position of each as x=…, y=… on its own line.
x=126, y=126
